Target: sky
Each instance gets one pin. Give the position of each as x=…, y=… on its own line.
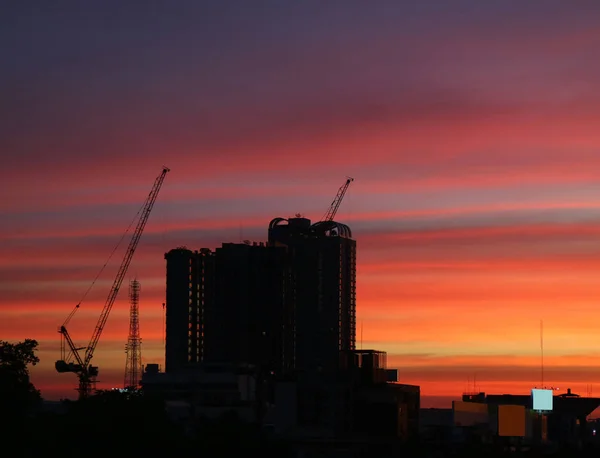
x=471, y=129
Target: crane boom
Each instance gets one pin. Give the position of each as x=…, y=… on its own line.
x=82, y=367
x=337, y=201
x=133, y=243
x=72, y=346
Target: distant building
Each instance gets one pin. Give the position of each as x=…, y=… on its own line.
x=436, y=425
x=566, y=423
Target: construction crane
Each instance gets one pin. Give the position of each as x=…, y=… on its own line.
x=82, y=363
x=337, y=201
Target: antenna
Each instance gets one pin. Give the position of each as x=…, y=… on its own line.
x=542, y=348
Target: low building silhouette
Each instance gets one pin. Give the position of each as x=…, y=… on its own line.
x=208, y=391
x=363, y=401
x=488, y=418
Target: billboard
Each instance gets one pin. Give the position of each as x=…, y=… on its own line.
x=511, y=421
x=542, y=400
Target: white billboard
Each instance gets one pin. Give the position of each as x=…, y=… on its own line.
x=542, y=399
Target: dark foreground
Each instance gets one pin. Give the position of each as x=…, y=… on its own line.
x=111, y=426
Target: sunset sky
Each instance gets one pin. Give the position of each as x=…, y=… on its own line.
x=471, y=129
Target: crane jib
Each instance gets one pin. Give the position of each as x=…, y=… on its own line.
x=335, y=205
x=85, y=371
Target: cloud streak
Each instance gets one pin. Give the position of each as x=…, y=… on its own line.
x=475, y=204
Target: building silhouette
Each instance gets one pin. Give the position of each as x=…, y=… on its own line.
x=280, y=317
x=322, y=257
x=247, y=322
x=288, y=305
x=189, y=293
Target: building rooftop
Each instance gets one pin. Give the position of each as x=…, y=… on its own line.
x=563, y=404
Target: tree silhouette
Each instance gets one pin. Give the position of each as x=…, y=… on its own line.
x=17, y=394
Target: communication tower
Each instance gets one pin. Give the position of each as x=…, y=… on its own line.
x=133, y=349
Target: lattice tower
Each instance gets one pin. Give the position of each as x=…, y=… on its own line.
x=133, y=349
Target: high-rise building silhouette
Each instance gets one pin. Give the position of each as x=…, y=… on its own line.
x=323, y=283
x=249, y=319
x=288, y=306
x=190, y=280
x=323, y=266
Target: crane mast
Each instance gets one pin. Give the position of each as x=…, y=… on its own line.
x=82, y=367
x=337, y=201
